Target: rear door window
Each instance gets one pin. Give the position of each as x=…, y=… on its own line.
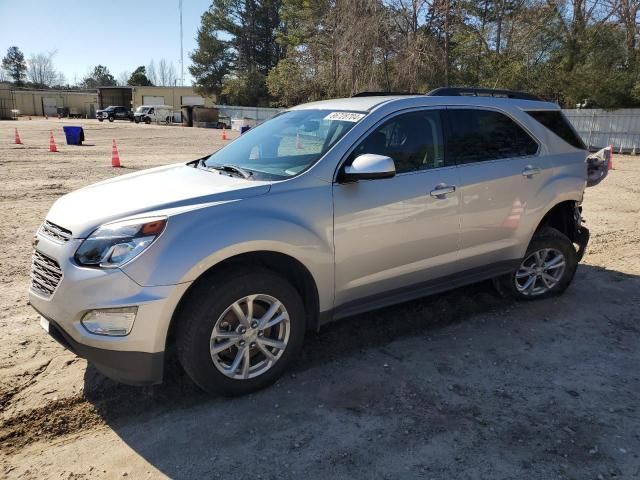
x=477, y=135
x=555, y=121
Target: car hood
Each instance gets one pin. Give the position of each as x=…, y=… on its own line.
x=151, y=190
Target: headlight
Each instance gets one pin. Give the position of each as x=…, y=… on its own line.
x=115, y=244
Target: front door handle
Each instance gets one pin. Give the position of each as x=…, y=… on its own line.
x=442, y=190
x=530, y=171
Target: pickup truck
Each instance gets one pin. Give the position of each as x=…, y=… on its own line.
x=112, y=113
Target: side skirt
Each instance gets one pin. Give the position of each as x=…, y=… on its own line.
x=412, y=292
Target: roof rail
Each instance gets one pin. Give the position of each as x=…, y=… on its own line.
x=381, y=94
x=480, y=92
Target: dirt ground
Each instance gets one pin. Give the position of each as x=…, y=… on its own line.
x=460, y=385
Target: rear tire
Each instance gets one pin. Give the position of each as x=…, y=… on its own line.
x=547, y=269
x=207, y=322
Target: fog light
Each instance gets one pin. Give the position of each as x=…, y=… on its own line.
x=110, y=321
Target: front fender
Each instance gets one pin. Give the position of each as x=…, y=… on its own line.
x=197, y=240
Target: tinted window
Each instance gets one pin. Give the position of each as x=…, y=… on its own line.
x=555, y=121
x=478, y=135
x=413, y=140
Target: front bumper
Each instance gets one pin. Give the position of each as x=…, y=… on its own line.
x=135, y=358
x=133, y=368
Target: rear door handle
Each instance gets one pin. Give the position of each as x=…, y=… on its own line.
x=530, y=171
x=442, y=190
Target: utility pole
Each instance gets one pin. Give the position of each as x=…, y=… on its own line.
x=446, y=43
x=181, y=49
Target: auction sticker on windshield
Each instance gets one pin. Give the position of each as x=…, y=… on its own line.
x=344, y=116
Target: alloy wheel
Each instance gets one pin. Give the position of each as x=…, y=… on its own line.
x=540, y=272
x=250, y=336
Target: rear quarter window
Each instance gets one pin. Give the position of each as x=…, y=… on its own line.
x=478, y=135
x=555, y=121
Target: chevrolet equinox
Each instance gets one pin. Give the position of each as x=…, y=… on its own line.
x=328, y=209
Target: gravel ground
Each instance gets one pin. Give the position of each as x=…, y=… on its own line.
x=460, y=385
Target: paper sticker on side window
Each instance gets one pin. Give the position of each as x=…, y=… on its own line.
x=344, y=116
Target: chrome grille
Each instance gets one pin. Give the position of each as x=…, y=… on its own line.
x=56, y=232
x=45, y=274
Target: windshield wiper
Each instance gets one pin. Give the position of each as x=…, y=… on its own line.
x=231, y=169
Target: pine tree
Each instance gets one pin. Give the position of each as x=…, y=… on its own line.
x=14, y=63
x=139, y=78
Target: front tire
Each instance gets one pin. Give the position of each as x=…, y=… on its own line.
x=111, y=119
x=547, y=269
x=238, y=332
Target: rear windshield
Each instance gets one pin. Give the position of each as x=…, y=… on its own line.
x=555, y=121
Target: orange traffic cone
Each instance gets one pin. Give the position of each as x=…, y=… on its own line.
x=115, y=156
x=52, y=143
x=224, y=134
x=17, y=138
x=298, y=144
x=610, y=164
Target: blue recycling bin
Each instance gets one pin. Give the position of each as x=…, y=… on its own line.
x=75, y=135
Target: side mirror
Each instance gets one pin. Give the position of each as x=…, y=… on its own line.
x=369, y=167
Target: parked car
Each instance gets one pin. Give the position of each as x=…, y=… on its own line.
x=329, y=209
x=153, y=113
x=112, y=113
x=224, y=122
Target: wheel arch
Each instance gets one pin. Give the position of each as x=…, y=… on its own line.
x=564, y=217
x=285, y=265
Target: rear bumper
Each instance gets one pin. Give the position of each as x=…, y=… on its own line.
x=133, y=368
x=582, y=239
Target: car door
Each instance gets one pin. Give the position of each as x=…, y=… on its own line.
x=396, y=232
x=499, y=172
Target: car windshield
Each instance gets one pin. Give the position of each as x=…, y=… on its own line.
x=142, y=109
x=287, y=144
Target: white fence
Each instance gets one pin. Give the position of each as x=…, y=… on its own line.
x=257, y=114
x=600, y=128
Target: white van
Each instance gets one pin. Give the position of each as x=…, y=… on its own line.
x=153, y=113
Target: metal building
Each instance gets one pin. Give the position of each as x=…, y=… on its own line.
x=6, y=103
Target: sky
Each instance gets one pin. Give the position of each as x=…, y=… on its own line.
x=120, y=34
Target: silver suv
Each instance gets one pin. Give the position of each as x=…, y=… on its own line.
x=327, y=210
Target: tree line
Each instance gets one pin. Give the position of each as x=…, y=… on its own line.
x=38, y=71
x=284, y=52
